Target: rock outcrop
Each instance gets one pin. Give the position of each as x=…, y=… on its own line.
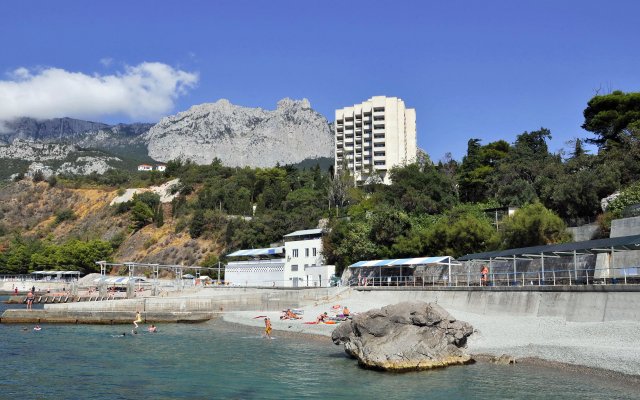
x=242, y=136
x=55, y=129
x=405, y=337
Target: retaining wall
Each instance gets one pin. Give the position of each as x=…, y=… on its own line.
x=208, y=300
x=572, y=304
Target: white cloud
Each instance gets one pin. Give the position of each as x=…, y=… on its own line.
x=106, y=62
x=144, y=91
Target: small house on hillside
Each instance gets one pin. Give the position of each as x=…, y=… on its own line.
x=161, y=167
x=145, y=167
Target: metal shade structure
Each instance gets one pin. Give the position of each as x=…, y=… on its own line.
x=404, y=262
x=622, y=243
x=270, y=251
x=407, y=262
x=121, y=280
x=607, y=245
x=59, y=274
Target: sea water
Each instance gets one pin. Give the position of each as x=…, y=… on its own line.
x=218, y=360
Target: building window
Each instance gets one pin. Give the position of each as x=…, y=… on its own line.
x=378, y=109
x=378, y=153
x=306, y=252
x=377, y=144
x=295, y=253
x=315, y=252
x=379, y=163
x=294, y=268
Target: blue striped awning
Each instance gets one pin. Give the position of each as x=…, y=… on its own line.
x=258, y=252
x=402, y=262
x=120, y=280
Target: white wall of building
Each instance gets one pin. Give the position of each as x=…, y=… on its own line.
x=375, y=136
x=319, y=276
x=301, y=254
x=255, y=273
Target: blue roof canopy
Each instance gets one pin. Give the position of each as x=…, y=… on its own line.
x=405, y=262
x=270, y=251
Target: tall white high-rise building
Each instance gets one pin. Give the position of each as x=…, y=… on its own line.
x=373, y=137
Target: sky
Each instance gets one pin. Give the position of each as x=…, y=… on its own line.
x=488, y=70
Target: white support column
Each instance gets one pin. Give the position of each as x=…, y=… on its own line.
x=515, y=271
x=612, y=265
x=542, y=266
x=575, y=266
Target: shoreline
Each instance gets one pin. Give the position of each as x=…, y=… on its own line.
x=499, y=327
x=605, y=346
x=616, y=377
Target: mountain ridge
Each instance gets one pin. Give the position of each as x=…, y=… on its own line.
x=237, y=135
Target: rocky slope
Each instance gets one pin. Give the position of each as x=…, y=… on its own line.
x=54, y=158
x=242, y=136
x=30, y=209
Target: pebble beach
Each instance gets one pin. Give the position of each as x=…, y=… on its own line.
x=613, y=345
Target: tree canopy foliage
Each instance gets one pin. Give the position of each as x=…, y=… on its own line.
x=612, y=116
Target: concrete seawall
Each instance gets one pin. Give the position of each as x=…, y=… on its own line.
x=575, y=304
x=194, y=306
x=100, y=317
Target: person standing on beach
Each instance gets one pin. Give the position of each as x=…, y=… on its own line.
x=267, y=327
x=29, y=300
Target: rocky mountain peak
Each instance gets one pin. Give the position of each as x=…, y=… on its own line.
x=288, y=103
x=242, y=136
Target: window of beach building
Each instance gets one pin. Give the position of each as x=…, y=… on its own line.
x=315, y=252
x=294, y=268
x=306, y=252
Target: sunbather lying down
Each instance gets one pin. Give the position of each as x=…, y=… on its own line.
x=289, y=315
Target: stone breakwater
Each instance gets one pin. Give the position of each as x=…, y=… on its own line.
x=100, y=317
x=405, y=337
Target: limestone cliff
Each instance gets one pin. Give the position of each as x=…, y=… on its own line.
x=242, y=136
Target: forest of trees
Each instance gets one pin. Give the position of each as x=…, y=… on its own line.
x=429, y=209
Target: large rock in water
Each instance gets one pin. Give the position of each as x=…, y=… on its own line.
x=405, y=337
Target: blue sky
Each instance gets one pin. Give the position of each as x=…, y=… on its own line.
x=487, y=70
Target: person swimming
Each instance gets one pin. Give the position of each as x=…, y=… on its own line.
x=37, y=328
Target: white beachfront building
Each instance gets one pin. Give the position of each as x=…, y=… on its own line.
x=299, y=263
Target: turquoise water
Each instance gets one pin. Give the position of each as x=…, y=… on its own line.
x=218, y=360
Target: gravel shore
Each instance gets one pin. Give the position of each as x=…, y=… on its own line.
x=613, y=346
